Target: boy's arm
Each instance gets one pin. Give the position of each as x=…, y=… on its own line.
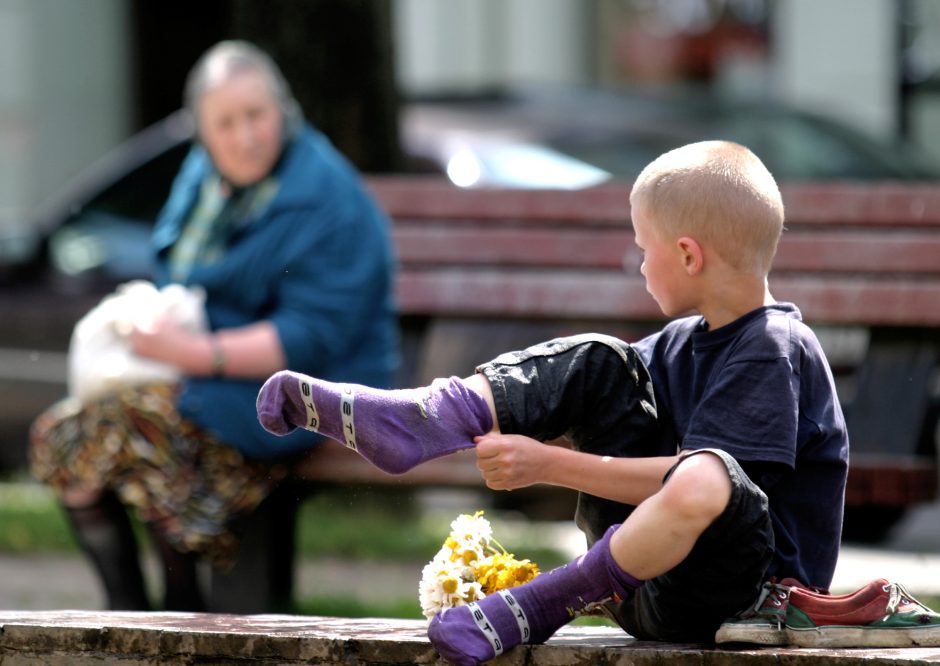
x=515, y=461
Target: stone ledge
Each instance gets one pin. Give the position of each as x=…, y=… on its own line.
x=56, y=638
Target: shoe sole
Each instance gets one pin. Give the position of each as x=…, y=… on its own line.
x=864, y=637
x=760, y=634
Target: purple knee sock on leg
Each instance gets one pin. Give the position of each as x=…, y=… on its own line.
x=530, y=613
x=393, y=429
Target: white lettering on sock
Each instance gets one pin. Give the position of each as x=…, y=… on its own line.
x=313, y=418
x=347, y=397
x=483, y=624
x=521, y=620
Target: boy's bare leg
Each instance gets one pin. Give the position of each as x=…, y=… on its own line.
x=662, y=531
x=479, y=384
x=393, y=429
x=655, y=538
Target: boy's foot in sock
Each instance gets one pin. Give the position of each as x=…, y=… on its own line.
x=530, y=613
x=393, y=429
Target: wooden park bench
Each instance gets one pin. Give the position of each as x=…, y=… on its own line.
x=487, y=271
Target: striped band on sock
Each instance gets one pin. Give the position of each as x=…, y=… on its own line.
x=521, y=620
x=313, y=417
x=486, y=628
x=347, y=398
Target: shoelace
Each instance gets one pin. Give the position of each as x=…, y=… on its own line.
x=772, y=601
x=895, y=597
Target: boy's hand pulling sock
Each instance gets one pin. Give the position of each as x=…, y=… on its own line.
x=531, y=613
x=393, y=429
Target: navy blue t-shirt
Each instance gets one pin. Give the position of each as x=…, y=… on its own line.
x=761, y=389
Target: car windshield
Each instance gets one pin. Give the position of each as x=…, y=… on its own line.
x=620, y=132
x=794, y=147
x=108, y=236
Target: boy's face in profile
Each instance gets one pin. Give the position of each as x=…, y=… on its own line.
x=666, y=279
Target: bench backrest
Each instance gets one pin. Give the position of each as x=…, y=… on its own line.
x=486, y=271
x=852, y=253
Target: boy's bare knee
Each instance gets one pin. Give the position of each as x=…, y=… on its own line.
x=699, y=488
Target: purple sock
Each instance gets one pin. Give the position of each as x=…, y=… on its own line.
x=393, y=429
x=530, y=613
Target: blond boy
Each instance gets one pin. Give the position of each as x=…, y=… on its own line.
x=679, y=439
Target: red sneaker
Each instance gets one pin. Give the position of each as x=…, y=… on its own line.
x=881, y=614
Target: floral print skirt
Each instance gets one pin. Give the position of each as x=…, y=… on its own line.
x=175, y=475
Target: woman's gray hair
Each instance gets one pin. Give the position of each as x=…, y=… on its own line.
x=225, y=59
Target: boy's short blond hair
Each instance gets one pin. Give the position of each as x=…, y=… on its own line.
x=719, y=193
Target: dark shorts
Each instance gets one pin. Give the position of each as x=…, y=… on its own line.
x=595, y=390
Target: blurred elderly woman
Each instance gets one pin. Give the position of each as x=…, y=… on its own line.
x=297, y=267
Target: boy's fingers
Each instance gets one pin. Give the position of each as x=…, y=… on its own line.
x=486, y=448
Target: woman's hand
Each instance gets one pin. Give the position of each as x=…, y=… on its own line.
x=166, y=341
x=508, y=462
x=253, y=351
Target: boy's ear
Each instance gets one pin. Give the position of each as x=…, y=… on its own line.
x=691, y=255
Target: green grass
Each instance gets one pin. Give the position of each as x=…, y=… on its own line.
x=390, y=527
x=32, y=521
x=354, y=525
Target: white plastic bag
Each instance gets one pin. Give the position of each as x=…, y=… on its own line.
x=100, y=358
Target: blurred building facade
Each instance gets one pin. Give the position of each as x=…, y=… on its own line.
x=64, y=94
x=67, y=67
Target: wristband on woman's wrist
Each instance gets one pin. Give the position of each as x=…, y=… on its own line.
x=218, y=356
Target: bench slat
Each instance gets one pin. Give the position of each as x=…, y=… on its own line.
x=440, y=245
x=434, y=197
x=829, y=204
x=613, y=296
x=869, y=251
x=849, y=251
x=862, y=204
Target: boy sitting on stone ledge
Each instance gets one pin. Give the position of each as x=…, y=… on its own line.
x=709, y=457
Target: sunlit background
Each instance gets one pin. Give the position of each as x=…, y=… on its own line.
x=78, y=77
x=527, y=93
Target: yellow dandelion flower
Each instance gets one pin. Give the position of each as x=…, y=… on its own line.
x=470, y=565
x=450, y=585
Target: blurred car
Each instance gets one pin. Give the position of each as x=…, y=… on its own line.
x=571, y=137
x=95, y=234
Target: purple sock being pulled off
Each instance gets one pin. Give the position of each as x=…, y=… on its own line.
x=530, y=613
x=395, y=430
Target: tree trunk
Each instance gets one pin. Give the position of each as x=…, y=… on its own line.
x=337, y=56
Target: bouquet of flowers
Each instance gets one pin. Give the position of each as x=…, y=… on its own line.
x=470, y=565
